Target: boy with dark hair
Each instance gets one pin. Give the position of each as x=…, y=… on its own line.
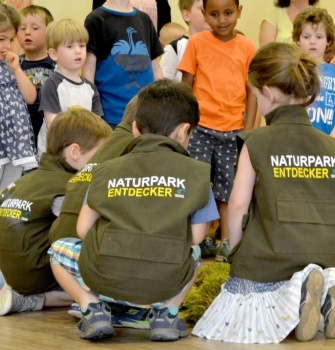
x=35, y=62
x=30, y=205
x=142, y=233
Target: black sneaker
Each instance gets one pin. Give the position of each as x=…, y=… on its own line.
x=328, y=311
x=95, y=322
x=208, y=247
x=310, y=307
x=165, y=326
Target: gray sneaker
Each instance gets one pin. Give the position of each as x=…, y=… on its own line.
x=95, y=322
x=165, y=326
x=11, y=301
x=328, y=311
x=311, y=292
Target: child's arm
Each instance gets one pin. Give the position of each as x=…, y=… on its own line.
x=86, y=219
x=188, y=79
x=25, y=86
x=49, y=117
x=89, y=67
x=267, y=33
x=239, y=200
x=251, y=110
x=158, y=73
x=332, y=134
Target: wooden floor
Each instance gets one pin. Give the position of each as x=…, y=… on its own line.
x=55, y=329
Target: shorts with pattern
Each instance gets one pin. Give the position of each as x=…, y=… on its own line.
x=219, y=149
x=66, y=252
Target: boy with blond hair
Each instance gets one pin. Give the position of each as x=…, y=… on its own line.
x=66, y=44
x=193, y=17
x=35, y=62
x=29, y=206
x=171, y=31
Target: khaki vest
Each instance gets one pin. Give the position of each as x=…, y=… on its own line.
x=140, y=249
x=65, y=224
x=291, y=219
x=25, y=220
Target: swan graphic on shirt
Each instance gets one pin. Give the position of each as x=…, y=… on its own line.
x=132, y=57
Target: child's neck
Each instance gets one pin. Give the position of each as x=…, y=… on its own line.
x=119, y=5
x=71, y=75
x=35, y=56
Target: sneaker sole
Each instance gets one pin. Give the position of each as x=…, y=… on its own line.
x=130, y=324
x=6, y=299
x=164, y=334
x=99, y=331
x=310, y=312
x=330, y=329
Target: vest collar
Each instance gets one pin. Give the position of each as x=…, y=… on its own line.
x=53, y=162
x=156, y=143
x=292, y=114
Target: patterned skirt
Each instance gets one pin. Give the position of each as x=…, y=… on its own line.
x=254, y=312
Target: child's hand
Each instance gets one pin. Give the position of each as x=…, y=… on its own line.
x=12, y=60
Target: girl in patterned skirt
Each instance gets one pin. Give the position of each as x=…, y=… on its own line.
x=17, y=149
x=280, y=214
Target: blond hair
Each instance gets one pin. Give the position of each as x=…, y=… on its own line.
x=76, y=125
x=66, y=31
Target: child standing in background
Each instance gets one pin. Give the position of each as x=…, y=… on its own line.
x=17, y=148
x=191, y=11
x=35, y=62
x=122, y=55
x=215, y=64
x=66, y=42
x=171, y=31
x=314, y=31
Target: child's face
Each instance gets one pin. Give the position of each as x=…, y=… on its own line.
x=31, y=34
x=70, y=57
x=222, y=16
x=7, y=37
x=313, y=40
x=195, y=18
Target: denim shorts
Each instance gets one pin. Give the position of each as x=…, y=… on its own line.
x=219, y=149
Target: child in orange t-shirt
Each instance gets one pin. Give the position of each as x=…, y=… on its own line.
x=215, y=64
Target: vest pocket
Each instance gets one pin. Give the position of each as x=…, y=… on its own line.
x=306, y=211
x=153, y=247
x=12, y=240
x=305, y=226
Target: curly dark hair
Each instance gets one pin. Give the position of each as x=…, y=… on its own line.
x=286, y=3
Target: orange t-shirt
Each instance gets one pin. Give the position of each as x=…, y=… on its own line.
x=221, y=74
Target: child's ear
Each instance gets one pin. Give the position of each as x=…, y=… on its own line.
x=135, y=130
x=185, y=15
x=53, y=54
x=73, y=151
x=181, y=133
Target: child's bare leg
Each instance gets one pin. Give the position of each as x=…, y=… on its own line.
x=72, y=287
x=57, y=299
x=222, y=207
